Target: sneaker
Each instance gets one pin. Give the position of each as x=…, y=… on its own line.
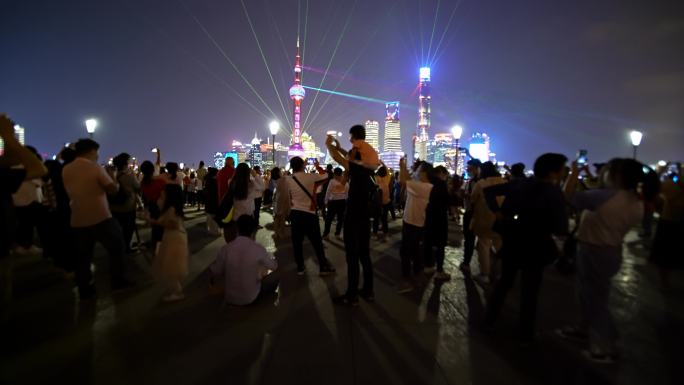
x=404, y=288
x=572, y=333
x=326, y=237
x=345, y=300
x=338, y=236
x=327, y=271
x=464, y=267
x=429, y=270
x=367, y=296
x=442, y=276
x=599, y=356
x=301, y=272
x=175, y=297
x=481, y=279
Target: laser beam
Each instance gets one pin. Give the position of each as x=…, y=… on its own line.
x=351, y=96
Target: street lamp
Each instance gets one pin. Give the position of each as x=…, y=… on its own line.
x=274, y=127
x=91, y=125
x=456, y=131
x=636, y=137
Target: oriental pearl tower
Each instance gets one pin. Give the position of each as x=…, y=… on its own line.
x=297, y=94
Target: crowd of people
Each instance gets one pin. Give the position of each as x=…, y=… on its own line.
x=563, y=214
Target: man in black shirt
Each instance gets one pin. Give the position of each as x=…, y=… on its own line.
x=533, y=210
x=360, y=162
x=473, y=168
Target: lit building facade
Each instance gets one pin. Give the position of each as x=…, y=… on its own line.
x=297, y=95
x=391, y=159
x=255, y=156
x=373, y=133
x=440, y=148
x=19, y=133
x=424, y=100
x=479, y=146
x=310, y=150
x=392, y=135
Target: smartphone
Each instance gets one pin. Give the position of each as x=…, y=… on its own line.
x=582, y=157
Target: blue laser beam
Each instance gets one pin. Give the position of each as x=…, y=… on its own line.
x=352, y=96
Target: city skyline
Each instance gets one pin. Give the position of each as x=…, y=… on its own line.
x=536, y=76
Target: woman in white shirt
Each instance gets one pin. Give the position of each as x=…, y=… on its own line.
x=336, y=202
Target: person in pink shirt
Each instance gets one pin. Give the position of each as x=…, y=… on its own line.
x=87, y=185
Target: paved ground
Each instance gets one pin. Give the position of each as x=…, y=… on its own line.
x=300, y=337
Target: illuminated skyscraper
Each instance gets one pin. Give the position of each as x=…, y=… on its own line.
x=255, y=156
x=392, y=141
x=423, y=133
x=297, y=94
x=18, y=133
x=373, y=133
x=479, y=146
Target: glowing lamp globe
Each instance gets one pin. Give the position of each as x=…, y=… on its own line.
x=274, y=127
x=91, y=125
x=457, y=131
x=636, y=137
x=297, y=92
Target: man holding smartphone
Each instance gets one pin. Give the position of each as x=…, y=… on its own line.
x=360, y=163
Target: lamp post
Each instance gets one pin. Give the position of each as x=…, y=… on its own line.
x=274, y=127
x=456, y=132
x=636, y=137
x=91, y=125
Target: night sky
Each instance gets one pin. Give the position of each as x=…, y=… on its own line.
x=537, y=76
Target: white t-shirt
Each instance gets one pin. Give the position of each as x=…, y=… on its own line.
x=608, y=215
x=85, y=183
x=246, y=206
x=336, y=191
x=29, y=191
x=417, y=198
x=300, y=200
x=242, y=262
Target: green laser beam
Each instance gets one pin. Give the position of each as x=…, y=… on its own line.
x=275, y=25
x=446, y=29
x=352, y=96
x=434, y=24
x=306, y=28
x=225, y=55
x=332, y=57
x=356, y=59
x=183, y=50
x=263, y=57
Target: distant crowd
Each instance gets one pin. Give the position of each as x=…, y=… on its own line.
x=566, y=215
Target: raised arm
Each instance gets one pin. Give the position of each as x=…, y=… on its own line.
x=336, y=152
x=403, y=171
x=16, y=154
x=571, y=183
